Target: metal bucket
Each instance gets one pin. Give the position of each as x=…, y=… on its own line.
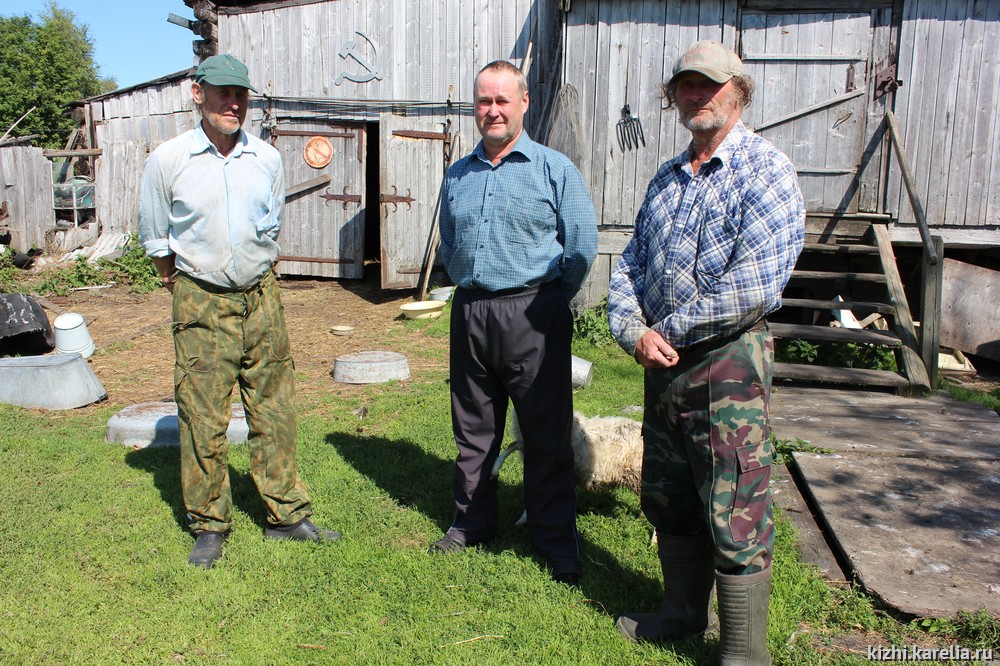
x=72, y=336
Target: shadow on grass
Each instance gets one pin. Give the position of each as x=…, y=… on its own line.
x=164, y=465
x=422, y=481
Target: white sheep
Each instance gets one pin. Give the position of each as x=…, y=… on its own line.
x=607, y=452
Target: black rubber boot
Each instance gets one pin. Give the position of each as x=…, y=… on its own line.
x=304, y=530
x=743, y=606
x=207, y=549
x=688, y=565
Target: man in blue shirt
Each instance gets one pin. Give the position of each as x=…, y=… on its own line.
x=209, y=216
x=518, y=237
x=715, y=242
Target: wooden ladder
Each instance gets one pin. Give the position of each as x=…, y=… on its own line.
x=849, y=266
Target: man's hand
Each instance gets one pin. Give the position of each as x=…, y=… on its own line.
x=654, y=352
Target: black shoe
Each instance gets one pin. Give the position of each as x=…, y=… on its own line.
x=302, y=531
x=451, y=542
x=567, y=571
x=207, y=549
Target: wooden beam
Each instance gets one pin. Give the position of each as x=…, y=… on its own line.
x=81, y=152
x=913, y=365
x=911, y=188
x=307, y=185
x=930, y=311
x=825, y=373
x=833, y=334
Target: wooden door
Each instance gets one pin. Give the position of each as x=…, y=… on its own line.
x=812, y=71
x=324, y=227
x=412, y=157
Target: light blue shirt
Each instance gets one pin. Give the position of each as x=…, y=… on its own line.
x=527, y=221
x=713, y=250
x=220, y=215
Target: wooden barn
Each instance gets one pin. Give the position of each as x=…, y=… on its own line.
x=368, y=103
x=887, y=108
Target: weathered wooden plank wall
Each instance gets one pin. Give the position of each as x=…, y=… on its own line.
x=118, y=174
x=26, y=186
x=949, y=64
x=422, y=51
x=150, y=114
x=393, y=64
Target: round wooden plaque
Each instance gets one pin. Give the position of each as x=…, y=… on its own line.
x=317, y=152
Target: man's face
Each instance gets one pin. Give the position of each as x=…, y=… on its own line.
x=500, y=108
x=224, y=108
x=704, y=105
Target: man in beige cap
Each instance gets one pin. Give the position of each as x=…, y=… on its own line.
x=209, y=215
x=714, y=245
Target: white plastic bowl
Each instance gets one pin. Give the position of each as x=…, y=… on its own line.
x=422, y=309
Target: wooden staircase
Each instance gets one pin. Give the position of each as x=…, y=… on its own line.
x=849, y=265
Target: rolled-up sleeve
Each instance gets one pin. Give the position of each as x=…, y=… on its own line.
x=154, y=209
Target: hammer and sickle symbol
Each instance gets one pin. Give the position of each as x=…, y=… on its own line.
x=351, y=51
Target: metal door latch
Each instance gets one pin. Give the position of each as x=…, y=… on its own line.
x=886, y=81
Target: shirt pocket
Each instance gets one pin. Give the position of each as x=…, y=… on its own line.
x=528, y=220
x=718, y=240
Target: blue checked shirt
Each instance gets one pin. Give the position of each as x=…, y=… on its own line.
x=526, y=221
x=712, y=251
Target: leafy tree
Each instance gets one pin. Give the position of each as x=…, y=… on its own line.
x=45, y=65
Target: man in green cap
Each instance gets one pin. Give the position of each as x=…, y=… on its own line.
x=209, y=216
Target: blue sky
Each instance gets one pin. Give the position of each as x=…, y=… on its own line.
x=132, y=40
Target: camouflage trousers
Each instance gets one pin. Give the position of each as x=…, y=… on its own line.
x=707, y=457
x=222, y=339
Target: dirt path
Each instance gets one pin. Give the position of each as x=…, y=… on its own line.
x=134, y=358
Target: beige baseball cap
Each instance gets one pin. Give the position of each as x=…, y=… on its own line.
x=711, y=59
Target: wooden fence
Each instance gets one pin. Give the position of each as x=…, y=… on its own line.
x=119, y=171
x=26, y=186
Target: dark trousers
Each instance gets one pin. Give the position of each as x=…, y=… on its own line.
x=517, y=347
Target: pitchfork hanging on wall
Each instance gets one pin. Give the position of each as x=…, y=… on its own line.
x=629, y=130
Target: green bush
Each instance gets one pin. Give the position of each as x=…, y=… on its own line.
x=836, y=354
x=592, y=326
x=8, y=273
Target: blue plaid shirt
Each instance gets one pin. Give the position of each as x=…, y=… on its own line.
x=711, y=252
x=526, y=221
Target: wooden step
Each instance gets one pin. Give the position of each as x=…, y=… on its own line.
x=834, y=334
x=860, y=306
x=835, y=276
x=831, y=375
x=835, y=248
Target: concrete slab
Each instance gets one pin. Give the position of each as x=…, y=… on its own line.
x=885, y=424
x=921, y=534
x=155, y=424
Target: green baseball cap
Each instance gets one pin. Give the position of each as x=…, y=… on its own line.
x=223, y=70
x=711, y=59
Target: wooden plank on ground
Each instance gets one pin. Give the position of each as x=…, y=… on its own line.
x=969, y=309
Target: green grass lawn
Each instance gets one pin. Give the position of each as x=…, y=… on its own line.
x=93, y=551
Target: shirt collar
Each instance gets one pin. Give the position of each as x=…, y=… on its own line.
x=524, y=145
x=730, y=143
x=200, y=143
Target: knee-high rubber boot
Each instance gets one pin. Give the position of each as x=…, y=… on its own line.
x=743, y=604
x=688, y=565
